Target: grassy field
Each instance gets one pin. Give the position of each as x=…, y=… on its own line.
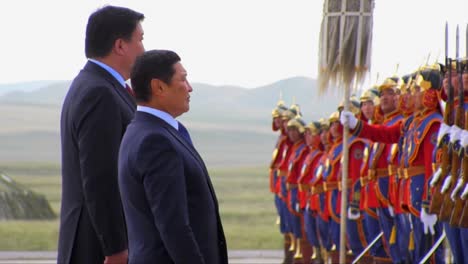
x=246, y=206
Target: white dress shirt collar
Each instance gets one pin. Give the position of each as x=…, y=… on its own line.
x=161, y=114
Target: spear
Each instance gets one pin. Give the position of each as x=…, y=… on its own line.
x=447, y=206
x=443, y=141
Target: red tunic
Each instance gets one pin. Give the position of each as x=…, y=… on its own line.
x=299, y=152
x=307, y=175
x=281, y=144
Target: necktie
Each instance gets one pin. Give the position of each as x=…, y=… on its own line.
x=184, y=133
x=129, y=90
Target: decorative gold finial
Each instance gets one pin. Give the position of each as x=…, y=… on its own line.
x=396, y=69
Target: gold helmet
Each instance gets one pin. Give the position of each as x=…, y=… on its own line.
x=314, y=127
x=392, y=83
x=372, y=95
x=292, y=112
x=354, y=105
x=279, y=109
x=298, y=123
x=324, y=124
x=407, y=81
x=429, y=77
x=334, y=117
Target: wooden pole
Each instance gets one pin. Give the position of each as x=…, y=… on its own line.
x=344, y=180
x=345, y=156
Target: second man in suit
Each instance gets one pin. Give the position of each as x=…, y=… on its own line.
x=169, y=202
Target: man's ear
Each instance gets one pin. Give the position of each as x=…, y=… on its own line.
x=119, y=46
x=157, y=87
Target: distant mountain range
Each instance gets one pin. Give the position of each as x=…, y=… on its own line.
x=230, y=102
x=230, y=125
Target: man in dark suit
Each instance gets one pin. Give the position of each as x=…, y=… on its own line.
x=170, y=205
x=95, y=114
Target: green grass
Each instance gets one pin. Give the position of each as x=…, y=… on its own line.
x=246, y=207
x=29, y=235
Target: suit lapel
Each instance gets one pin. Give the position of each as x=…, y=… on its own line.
x=190, y=148
x=126, y=97
x=197, y=157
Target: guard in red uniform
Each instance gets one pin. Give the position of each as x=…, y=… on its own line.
x=316, y=190
x=378, y=168
x=457, y=236
x=400, y=233
x=299, y=151
x=281, y=168
x=368, y=201
x=309, y=203
x=421, y=142
x=356, y=237
x=282, y=143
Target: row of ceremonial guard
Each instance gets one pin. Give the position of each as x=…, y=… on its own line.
x=403, y=154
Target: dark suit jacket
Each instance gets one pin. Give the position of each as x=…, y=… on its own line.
x=170, y=205
x=95, y=114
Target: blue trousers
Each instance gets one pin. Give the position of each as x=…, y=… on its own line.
x=386, y=222
x=356, y=235
x=323, y=227
x=458, y=240
x=373, y=230
x=334, y=233
x=280, y=205
x=295, y=220
x=283, y=208
x=403, y=228
x=424, y=242
x=310, y=224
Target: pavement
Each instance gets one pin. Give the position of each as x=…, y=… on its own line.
x=235, y=257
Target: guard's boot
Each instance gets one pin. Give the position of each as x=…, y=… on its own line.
x=288, y=255
x=317, y=257
x=334, y=255
x=298, y=253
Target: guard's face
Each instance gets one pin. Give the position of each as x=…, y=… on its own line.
x=310, y=138
x=417, y=98
x=408, y=101
x=284, y=123
x=335, y=129
x=177, y=96
x=324, y=137
x=367, y=109
x=387, y=100
x=277, y=122
x=294, y=134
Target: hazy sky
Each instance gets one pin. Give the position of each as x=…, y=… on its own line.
x=247, y=43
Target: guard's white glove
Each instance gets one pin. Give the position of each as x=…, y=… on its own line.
x=455, y=132
x=443, y=130
x=429, y=221
x=297, y=208
x=348, y=118
x=353, y=214
x=447, y=184
x=464, y=194
x=436, y=177
x=464, y=138
x=457, y=189
x=390, y=210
